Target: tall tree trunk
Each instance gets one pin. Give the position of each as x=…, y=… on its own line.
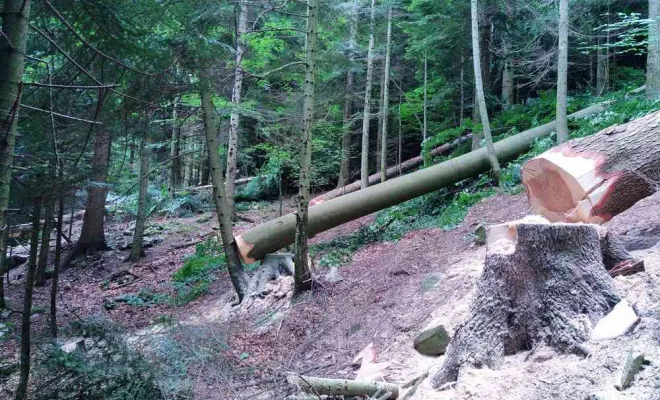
x=15, y=18
x=21, y=390
x=485, y=23
x=400, y=145
x=653, y=57
x=386, y=99
x=234, y=266
x=477, y=136
x=425, y=105
x=508, y=76
x=461, y=112
x=92, y=236
x=345, y=166
x=56, y=263
x=187, y=157
x=562, y=74
x=175, y=150
x=602, y=71
x=140, y=220
x=380, y=119
x=481, y=98
x=366, y=119
x=42, y=263
x=232, y=148
x=303, y=278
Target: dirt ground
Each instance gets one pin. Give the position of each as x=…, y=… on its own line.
x=389, y=292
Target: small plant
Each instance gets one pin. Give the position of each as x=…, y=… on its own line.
x=194, y=277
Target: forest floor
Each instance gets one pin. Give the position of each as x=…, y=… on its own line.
x=388, y=293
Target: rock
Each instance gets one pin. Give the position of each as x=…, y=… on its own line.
x=73, y=345
x=333, y=276
x=480, y=235
x=432, y=342
x=634, y=363
x=617, y=323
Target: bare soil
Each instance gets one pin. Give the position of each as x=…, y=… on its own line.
x=389, y=292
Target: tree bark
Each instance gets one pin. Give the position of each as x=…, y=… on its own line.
x=385, y=108
x=303, y=278
x=392, y=172
x=92, y=236
x=425, y=105
x=21, y=390
x=653, y=56
x=42, y=263
x=508, y=78
x=175, y=150
x=481, y=97
x=597, y=177
x=15, y=19
x=366, y=119
x=541, y=284
x=56, y=264
x=343, y=387
x=234, y=266
x=346, y=141
x=602, y=72
x=187, y=157
x=137, y=251
x=279, y=233
x=234, y=119
x=562, y=74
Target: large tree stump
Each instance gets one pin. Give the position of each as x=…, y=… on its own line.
x=542, y=284
x=595, y=178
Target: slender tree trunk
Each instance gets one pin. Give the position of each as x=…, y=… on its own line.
x=42, y=263
x=477, y=136
x=303, y=278
x=345, y=166
x=232, y=148
x=653, y=57
x=15, y=18
x=462, y=88
x=562, y=74
x=21, y=390
x=380, y=119
x=366, y=119
x=175, y=150
x=386, y=99
x=187, y=158
x=56, y=265
x=140, y=220
x=508, y=76
x=481, y=98
x=425, y=106
x=234, y=266
x=400, y=147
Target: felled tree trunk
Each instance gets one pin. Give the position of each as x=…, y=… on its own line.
x=343, y=387
x=595, y=178
x=542, y=283
x=392, y=172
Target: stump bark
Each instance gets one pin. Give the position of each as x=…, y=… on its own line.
x=597, y=177
x=542, y=284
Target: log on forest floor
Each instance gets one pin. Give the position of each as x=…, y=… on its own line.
x=344, y=387
x=595, y=178
x=542, y=284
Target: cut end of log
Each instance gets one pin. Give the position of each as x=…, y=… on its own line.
x=502, y=238
x=563, y=186
x=244, y=249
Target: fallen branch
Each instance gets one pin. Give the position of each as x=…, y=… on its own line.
x=343, y=387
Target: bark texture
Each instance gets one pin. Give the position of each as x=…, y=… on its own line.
x=346, y=141
x=479, y=87
x=595, y=178
x=303, y=278
x=343, y=387
x=15, y=19
x=366, y=118
x=653, y=55
x=234, y=119
x=175, y=150
x=541, y=284
x=140, y=220
x=21, y=390
x=385, y=107
x=562, y=74
x=255, y=243
x=40, y=275
x=234, y=266
x=392, y=172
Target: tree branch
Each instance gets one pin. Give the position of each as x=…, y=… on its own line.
x=61, y=115
x=272, y=71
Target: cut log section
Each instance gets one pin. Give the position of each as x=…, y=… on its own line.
x=595, y=178
x=392, y=172
x=542, y=284
x=343, y=387
x=274, y=235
